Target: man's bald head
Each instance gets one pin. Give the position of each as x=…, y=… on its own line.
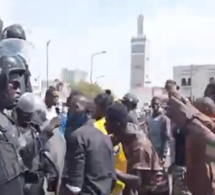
x=205, y=105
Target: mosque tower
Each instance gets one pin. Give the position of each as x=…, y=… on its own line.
x=140, y=25
x=139, y=56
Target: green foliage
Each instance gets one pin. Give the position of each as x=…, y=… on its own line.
x=88, y=89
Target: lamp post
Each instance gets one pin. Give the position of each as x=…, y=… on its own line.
x=47, y=62
x=91, y=64
x=99, y=77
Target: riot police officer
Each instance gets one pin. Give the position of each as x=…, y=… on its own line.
x=11, y=166
x=32, y=137
x=131, y=101
x=30, y=108
x=13, y=174
x=16, y=31
x=55, y=148
x=135, y=115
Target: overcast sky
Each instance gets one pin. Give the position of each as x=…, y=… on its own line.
x=181, y=32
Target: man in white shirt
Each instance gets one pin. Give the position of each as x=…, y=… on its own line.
x=56, y=144
x=51, y=100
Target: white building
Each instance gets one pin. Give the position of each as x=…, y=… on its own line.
x=193, y=79
x=139, y=57
x=72, y=76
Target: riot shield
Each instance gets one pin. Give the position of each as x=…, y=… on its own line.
x=11, y=47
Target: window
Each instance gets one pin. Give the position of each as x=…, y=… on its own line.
x=138, y=85
x=138, y=67
x=183, y=82
x=135, y=40
x=189, y=82
x=139, y=48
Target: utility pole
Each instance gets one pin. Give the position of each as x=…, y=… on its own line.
x=91, y=64
x=47, y=62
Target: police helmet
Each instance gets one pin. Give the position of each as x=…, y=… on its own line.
x=8, y=66
x=129, y=97
x=40, y=107
x=25, y=108
x=26, y=103
x=33, y=104
x=39, y=113
x=14, y=31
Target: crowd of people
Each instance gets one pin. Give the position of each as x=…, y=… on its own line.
x=100, y=146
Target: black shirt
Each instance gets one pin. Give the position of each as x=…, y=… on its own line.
x=180, y=139
x=90, y=161
x=210, y=90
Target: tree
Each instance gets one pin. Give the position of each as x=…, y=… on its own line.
x=88, y=89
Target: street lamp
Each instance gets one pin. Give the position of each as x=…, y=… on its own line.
x=47, y=62
x=91, y=65
x=99, y=77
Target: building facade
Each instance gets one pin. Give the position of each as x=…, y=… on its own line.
x=72, y=76
x=193, y=79
x=139, y=57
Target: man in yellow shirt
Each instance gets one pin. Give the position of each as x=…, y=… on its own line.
x=102, y=101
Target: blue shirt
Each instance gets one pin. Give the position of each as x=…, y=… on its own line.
x=63, y=120
x=159, y=133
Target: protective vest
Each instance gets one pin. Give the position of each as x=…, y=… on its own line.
x=11, y=165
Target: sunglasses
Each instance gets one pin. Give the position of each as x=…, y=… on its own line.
x=15, y=84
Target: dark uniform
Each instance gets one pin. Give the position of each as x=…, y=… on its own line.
x=11, y=166
x=33, y=140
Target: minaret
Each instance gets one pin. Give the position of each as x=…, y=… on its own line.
x=140, y=25
x=138, y=56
